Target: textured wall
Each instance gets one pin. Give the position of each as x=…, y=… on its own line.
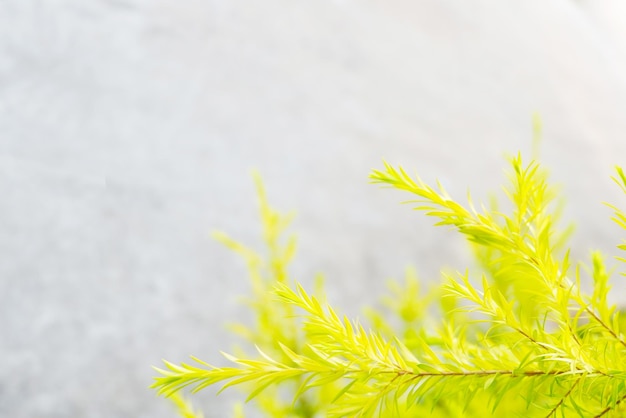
x=128, y=129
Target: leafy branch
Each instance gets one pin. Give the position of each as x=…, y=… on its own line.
x=519, y=336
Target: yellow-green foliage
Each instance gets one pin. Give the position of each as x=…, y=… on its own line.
x=516, y=336
x=184, y=407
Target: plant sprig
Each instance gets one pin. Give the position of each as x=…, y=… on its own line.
x=521, y=337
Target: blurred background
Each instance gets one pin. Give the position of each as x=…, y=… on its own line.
x=128, y=130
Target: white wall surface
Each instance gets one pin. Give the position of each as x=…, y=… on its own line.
x=128, y=129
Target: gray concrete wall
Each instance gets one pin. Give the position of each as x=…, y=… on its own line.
x=128, y=129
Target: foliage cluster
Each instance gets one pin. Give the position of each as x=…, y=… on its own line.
x=515, y=336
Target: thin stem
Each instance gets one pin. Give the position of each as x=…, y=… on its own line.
x=610, y=408
x=558, y=405
x=603, y=325
x=512, y=373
